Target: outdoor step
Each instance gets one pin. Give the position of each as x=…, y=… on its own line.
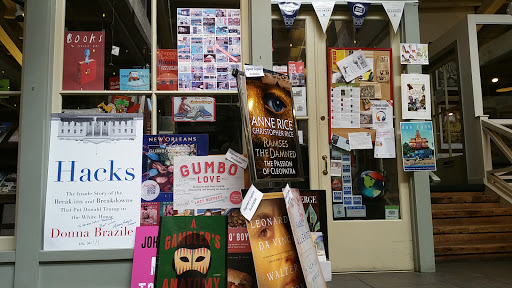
x=465, y=206
x=472, y=238
x=455, y=248
x=465, y=199
x=458, y=213
x=473, y=257
x=461, y=229
x=472, y=221
x=452, y=194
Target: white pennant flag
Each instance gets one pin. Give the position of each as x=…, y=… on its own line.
x=323, y=12
x=394, y=10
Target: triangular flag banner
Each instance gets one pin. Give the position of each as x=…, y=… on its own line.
x=323, y=12
x=289, y=9
x=358, y=11
x=394, y=10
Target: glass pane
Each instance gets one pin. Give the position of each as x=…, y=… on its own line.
x=199, y=45
x=91, y=62
x=364, y=187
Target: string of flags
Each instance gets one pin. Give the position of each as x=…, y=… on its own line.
x=323, y=9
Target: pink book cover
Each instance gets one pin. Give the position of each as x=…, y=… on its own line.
x=144, y=257
x=84, y=60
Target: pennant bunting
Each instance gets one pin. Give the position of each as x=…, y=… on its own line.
x=323, y=12
x=358, y=11
x=394, y=10
x=289, y=10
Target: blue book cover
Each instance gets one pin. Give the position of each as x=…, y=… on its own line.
x=158, y=171
x=134, y=79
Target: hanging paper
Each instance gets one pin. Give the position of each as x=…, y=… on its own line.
x=416, y=96
x=385, y=143
x=358, y=11
x=323, y=12
x=394, y=9
x=289, y=9
x=418, y=149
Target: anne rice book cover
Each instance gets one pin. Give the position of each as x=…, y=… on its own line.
x=192, y=252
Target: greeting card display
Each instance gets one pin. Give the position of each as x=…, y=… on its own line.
x=83, y=67
x=192, y=252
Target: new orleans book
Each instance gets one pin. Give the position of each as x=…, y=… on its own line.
x=192, y=252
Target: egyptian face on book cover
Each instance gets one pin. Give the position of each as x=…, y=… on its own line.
x=274, y=251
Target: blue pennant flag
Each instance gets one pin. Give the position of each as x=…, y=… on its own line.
x=289, y=9
x=358, y=11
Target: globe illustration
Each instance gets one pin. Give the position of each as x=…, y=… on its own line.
x=370, y=184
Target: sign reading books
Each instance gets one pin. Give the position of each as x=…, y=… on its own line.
x=158, y=171
x=275, y=256
x=303, y=241
x=418, y=149
x=193, y=109
x=84, y=60
x=271, y=129
x=144, y=257
x=202, y=182
x=93, y=188
x=192, y=252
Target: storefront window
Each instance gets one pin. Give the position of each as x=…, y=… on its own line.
x=11, y=45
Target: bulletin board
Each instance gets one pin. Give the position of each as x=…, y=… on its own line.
x=375, y=85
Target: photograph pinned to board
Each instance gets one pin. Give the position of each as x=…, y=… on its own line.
x=416, y=96
x=413, y=53
x=418, y=149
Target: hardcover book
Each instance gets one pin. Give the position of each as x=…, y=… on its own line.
x=167, y=69
x=144, y=257
x=192, y=252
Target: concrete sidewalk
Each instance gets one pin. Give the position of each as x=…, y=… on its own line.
x=496, y=274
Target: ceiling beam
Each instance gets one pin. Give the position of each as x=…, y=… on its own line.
x=9, y=44
x=496, y=48
x=490, y=6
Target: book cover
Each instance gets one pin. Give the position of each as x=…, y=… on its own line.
x=144, y=257
x=134, y=79
x=158, y=170
x=192, y=252
x=4, y=129
x=193, y=109
x=167, y=69
x=275, y=256
x=84, y=60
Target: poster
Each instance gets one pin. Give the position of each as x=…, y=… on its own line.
x=84, y=60
x=134, y=79
x=167, y=69
x=144, y=257
x=203, y=182
x=413, y=53
x=416, y=96
x=193, y=109
x=209, y=48
x=354, y=65
x=303, y=241
x=93, y=187
x=158, y=171
x=192, y=252
x=275, y=256
x=418, y=149
x=382, y=114
x=267, y=108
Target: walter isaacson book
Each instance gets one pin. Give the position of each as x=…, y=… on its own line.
x=192, y=252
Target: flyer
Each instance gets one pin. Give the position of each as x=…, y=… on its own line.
x=418, y=149
x=416, y=96
x=209, y=48
x=193, y=109
x=167, y=69
x=354, y=65
x=303, y=241
x=267, y=108
x=144, y=257
x=93, y=187
x=382, y=114
x=413, y=53
x=84, y=60
x=345, y=106
x=385, y=143
x=158, y=154
x=275, y=256
x=203, y=182
x=192, y=252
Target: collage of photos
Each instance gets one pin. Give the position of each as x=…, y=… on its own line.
x=209, y=48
